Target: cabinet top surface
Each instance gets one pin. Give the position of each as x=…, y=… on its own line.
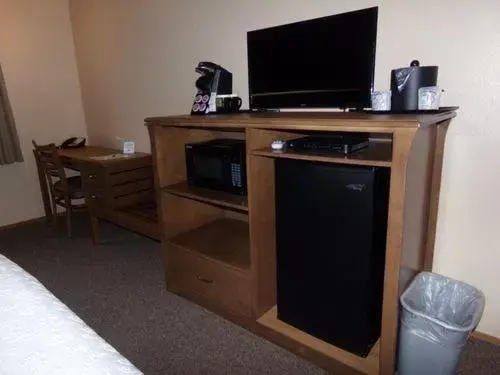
x=304, y=120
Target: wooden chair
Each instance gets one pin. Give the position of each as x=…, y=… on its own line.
x=63, y=190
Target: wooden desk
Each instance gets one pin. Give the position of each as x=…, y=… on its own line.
x=220, y=251
x=119, y=190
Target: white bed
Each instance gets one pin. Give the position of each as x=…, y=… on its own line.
x=40, y=335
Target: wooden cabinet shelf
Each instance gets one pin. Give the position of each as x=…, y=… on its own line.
x=368, y=365
x=220, y=198
x=224, y=240
x=220, y=249
x=377, y=154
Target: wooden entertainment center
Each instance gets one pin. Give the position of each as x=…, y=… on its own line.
x=220, y=249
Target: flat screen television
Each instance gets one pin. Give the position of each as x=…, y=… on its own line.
x=323, y=62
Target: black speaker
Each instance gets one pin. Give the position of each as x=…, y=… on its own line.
x=331, y=224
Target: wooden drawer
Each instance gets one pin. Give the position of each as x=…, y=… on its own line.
x=92, y=185
x=108, y=191
x=92, y=179
x=96, y=204
x=201, y=279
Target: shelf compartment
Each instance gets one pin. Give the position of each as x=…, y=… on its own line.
x=368, y=365
x=226, y=241
x=216, y=197
x=377, y=154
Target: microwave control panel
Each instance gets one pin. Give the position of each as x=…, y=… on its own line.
x=236, y=174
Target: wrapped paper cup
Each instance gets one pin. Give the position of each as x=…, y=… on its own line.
x=381, y=101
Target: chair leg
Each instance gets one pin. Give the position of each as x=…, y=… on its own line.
x=95, y=229
x=54, y=212
x=68, y=220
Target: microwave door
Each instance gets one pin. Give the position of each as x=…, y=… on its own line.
x=209, y=171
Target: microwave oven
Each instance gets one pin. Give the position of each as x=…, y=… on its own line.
x=219, y=164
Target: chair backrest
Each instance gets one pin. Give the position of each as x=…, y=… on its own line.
x=48, y=159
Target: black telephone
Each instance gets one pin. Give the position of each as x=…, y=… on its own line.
x=73, y=142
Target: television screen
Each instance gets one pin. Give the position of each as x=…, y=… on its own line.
x=323, y=62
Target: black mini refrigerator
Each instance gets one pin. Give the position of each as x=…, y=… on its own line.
x=331, y=224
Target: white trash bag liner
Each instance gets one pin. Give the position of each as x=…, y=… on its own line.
x=438, y=313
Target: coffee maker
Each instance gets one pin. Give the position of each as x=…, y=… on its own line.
x=405, y=83
x=214, y=80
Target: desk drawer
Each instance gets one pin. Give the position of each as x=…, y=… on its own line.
x=98, y=206
x=93, y=179
x=94, y=187
x=202, y=279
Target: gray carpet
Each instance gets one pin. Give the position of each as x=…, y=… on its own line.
x=117, y=288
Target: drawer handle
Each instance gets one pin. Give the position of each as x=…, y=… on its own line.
x=93, y=196
x=92, y=176
x=205, y=280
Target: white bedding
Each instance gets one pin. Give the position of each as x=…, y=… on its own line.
x=40, y=335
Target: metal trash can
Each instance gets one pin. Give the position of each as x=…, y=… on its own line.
x=438, y=313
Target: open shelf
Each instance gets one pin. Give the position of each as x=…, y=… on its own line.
x=377, y=154
x=368, y=365
x=220, y=198
x=224, y=240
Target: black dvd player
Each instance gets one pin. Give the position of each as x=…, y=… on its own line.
x=339, y=143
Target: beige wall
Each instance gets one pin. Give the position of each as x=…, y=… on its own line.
x=137, y=60
x=38, y=59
